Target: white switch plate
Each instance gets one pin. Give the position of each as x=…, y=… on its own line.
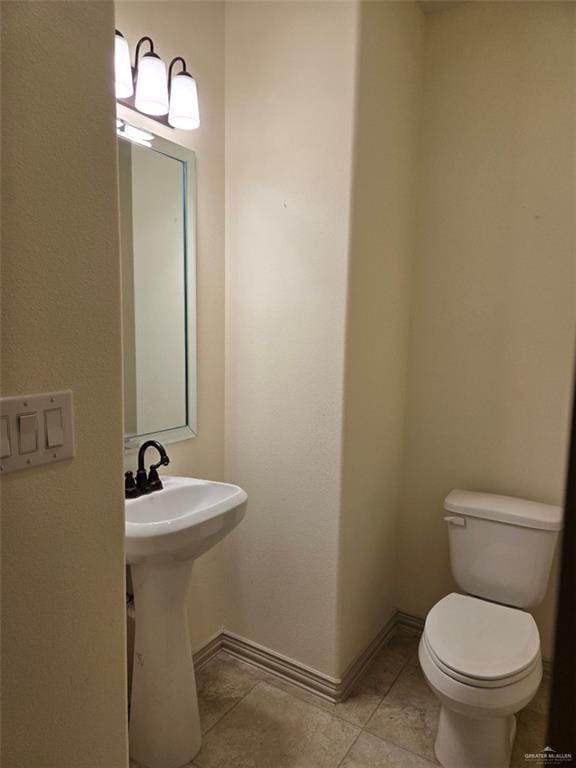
x=13, y=408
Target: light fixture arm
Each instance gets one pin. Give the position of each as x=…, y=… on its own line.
x=183, y=72
x=144, y=39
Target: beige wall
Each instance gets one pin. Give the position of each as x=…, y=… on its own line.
x=320, y=425
x=491, y=326
x=490, y=329
x=494, y=284
x=388, y=98
x=289, y=123
x=64, y=698
x=195, y=30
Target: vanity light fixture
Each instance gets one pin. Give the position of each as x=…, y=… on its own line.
x=149, y=89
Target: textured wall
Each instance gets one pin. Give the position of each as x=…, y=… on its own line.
x=386, y=133
x=195, y=30
x=64, y=699
x=495, y=276
x=289, y=122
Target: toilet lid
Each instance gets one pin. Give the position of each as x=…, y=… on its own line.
x=481, y=640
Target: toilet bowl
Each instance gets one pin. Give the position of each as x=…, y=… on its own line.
x=482, y=660
x=480, y=652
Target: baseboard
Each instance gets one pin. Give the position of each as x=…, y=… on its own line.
x=408, y=621
x=331, y=689
x=547, y=667
x=355, y=670
x=270, y=662
x=208, y=651
x=282, y=667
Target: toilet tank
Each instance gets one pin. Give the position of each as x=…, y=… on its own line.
x=501, y=548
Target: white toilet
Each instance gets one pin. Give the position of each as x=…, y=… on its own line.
x=480, y=652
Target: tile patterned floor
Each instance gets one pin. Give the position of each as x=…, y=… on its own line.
x=252, y=720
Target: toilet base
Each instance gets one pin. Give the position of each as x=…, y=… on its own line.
x=467, y=742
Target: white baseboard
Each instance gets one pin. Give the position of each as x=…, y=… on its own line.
x=273, y=663
x=355, y=670
x=281, y=666
x=208, y=651
x=547, y=667
x=408, y=621
x=331, y=689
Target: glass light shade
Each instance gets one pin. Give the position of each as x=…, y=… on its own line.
x=151, y=86
x=122, y=68
x=184, y=112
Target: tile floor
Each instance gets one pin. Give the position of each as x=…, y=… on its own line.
x=253, y=720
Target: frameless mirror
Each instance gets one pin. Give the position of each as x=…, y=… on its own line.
x=157, y=238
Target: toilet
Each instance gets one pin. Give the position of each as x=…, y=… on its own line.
x=480, y=651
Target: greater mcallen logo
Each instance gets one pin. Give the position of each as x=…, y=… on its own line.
x=549, y=756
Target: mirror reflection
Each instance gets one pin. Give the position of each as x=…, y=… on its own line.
x=158, y=292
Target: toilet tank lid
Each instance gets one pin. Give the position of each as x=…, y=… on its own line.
x=505, y=509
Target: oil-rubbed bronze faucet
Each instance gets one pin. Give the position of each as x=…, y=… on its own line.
x=145, y=482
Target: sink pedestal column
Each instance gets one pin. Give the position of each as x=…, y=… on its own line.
x=164, y=720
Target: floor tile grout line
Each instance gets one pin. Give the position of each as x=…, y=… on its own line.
x=295, y=698
x=223, y=715
x=291, y=696
x=364, y=728
x=228, y=711
x=390, y=740
x=406, y=665
x=361, y=728
x=345, y=755
x=340, y=717
x=392, y=684
x=400, y=746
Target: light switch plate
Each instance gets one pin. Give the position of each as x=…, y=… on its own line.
x=18, y=410
x=5, y=439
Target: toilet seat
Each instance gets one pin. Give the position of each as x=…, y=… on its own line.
x=478, y=682
x=481, y=644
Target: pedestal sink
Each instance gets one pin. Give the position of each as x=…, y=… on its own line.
x=165, y=531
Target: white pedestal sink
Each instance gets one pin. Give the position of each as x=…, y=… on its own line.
x=165, y=532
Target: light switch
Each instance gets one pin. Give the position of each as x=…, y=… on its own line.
x=5, y=447
x=28, y=432
x=54, y=428
x=36, y=429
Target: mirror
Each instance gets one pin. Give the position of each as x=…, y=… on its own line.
x=157, y=239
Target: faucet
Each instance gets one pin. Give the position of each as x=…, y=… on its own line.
x=146, y=483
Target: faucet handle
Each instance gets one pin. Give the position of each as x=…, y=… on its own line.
x=130, y=488
x=142, y=482
x=154, y=482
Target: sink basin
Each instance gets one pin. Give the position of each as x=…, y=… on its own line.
x=165, y=532
x=183, y=520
